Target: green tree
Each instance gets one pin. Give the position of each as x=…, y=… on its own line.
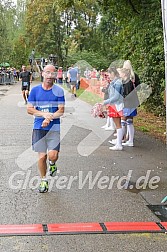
x=138, y=37
x=98, y=32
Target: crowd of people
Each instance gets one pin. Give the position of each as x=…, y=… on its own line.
x=46, y=103
x=9, y=75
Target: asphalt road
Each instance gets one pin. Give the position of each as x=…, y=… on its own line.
x=89, y=186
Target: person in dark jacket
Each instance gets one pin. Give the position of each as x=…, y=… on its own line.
x=131, y=102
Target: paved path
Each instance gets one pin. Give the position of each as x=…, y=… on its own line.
x=84, y=152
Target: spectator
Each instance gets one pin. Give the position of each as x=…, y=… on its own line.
x=60, y=75
x=131, y=103
x=72, y=79
x=115, y=105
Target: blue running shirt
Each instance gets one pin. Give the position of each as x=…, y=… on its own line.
x=73, y=74
x=46, y=101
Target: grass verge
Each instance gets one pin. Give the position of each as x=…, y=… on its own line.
x=150, y=124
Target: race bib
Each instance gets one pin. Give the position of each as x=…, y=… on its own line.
x=25, y=84
x=45, y=108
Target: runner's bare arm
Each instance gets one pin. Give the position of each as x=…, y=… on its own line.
x=33, y=111
x=50, y=116
x=59, y=112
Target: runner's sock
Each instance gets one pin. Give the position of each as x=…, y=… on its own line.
x=51, y=162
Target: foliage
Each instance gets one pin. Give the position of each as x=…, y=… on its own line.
x=13, y=47
x=97, y=31
x=139, y=37
x=92, y=58
x=7, y=13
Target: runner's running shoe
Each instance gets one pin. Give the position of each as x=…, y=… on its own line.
x=52, y=169
x=43, y=187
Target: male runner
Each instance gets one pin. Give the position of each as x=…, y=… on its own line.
x=46, y=104
x=26, y=79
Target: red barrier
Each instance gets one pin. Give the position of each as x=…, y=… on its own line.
x=74, y=227
x=21, y=229
x=93, y=87
x=164, y=224
x=132, y=226
x=83, y=228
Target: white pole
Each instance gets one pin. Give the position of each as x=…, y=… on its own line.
x=164, y=20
